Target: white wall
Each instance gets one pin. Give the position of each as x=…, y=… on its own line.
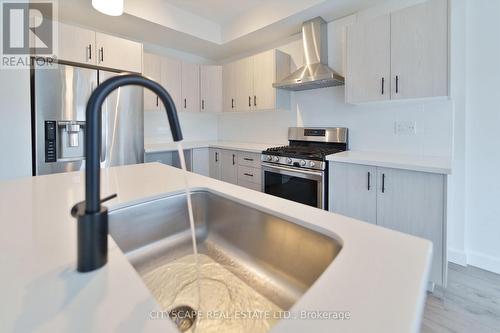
x=15, y=119
x=483, y=135
x=456, y=182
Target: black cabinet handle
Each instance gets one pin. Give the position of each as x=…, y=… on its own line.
x=232, y=103
x=383, y=86
x=383, y=183
x=203, y=104
x=185, y=103
x=248, y=174
x=248, y=159
x=250, y=101
x=369, y=181
x=255, y=100
x=102, y=54
x=216, y=157
x=234, y=161
x=157, y=101
x=397, y=84
x=90, y=51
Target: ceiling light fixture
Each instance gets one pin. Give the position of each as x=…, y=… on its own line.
x=109, y=7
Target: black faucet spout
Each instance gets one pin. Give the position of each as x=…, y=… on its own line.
x=92, y=217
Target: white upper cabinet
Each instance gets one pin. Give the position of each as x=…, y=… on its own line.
x=77, y=44
x=419, y=50
x=369, y=62
x=264, y=95
x=244, y=84
x=229, y=87
x=118, y=53
x=190, y=100
x=171, y=79
x=89, y=47
x=152, y=70
x=211, y=88
x=403, y=55
x=248, y=83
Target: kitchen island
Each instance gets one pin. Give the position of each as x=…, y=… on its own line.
x=378, y=273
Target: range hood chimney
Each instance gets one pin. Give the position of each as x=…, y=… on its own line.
x=315, y=73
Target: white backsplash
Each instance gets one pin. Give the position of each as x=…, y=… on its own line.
x=195, y=127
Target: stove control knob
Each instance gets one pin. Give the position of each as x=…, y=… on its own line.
x=276, y=159
x=269, y=158
x=289, y=160
x=303, y=163
x=312, y=164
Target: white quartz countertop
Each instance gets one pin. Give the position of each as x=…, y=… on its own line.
x=231, y=145
x=380, y=276
x=432, y=164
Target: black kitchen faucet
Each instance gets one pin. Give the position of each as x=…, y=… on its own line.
x=92, y=217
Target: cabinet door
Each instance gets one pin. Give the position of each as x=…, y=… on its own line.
x=118, y=53
x=369, y=61
x=200, y=161
x=190, y=87
x=414, y=203
x=211, y=88
x=229, y=166
x=152, y=69
x=76, y=44
x=163, y=157
x=229, y=83
x=171, y=78
x=244, y=84
x=264, y=72
x=215, y=163
x=419, y=39
x=353, y=191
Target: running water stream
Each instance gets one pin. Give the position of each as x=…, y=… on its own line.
x=178, y=285
x=182, y=159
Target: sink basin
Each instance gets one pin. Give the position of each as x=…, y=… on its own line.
x=277, y=258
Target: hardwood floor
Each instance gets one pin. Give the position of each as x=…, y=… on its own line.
x=470, y=303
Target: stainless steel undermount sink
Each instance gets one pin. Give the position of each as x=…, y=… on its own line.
x=277, y=258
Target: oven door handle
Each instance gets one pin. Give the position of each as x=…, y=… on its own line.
x=271, y=167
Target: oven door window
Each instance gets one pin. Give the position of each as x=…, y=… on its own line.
x=291, y=187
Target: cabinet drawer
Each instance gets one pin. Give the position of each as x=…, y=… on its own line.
x=249, y=159
x=250, y=185
x=249, y=174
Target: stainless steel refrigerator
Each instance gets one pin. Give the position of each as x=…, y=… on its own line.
x=59, y=98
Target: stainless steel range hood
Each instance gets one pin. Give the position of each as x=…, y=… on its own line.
x=315, y=73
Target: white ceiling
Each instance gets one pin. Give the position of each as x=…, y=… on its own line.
x=219, y=11
x=194, y=26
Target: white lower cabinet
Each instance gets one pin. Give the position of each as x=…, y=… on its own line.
x=229, y=166
x=354, y=191
x=162, y=157
x=407, y=201
x=200, y=161
x=214, y=163
x=236, y=167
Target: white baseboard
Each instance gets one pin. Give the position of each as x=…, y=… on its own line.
x=457, y=257
x=483, y=261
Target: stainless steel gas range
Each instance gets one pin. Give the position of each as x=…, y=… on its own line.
x=299, y=171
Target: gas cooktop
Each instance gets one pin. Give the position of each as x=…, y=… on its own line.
x=306, y=152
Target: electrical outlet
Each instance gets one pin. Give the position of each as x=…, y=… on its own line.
x=405, y=127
